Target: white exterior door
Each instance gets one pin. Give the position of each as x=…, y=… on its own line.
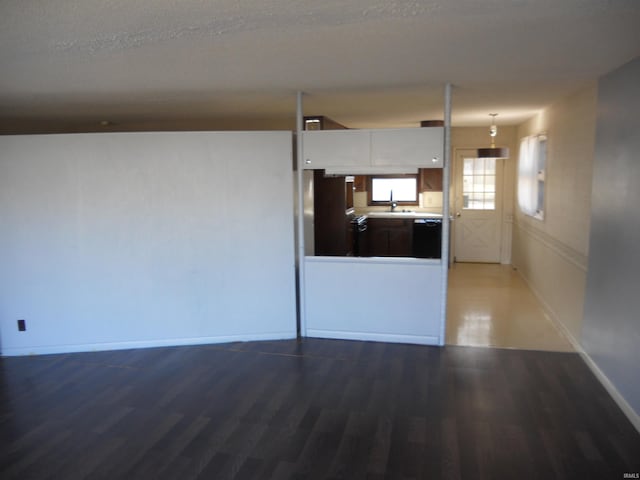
x=477, y=208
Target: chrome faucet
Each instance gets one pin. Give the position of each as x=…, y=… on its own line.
x=392, y=204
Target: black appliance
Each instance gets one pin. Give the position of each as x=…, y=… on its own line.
x=427, y=238
x=359, y=229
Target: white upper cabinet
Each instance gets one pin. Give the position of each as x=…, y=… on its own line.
x=417, y=147
x=374, y=149
x=335, y=148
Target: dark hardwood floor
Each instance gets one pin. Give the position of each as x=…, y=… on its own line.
x=316, y=409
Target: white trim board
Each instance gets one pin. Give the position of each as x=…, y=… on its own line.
x=374, y=337
x=168, y=342
x=629, y=412
x=565, y=251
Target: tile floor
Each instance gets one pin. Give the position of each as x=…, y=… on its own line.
x=491, y=305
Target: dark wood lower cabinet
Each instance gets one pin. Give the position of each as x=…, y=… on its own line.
x=390, y=237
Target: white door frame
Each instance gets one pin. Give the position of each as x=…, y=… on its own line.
x=506, y=199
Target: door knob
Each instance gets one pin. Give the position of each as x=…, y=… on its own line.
x=458, y=214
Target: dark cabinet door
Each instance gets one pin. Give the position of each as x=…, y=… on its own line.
x=390, y=237
x=360, y=183
x=400, y=240
x=349, y=188
x=430, y=179
x=332, y=229
x=378, y=239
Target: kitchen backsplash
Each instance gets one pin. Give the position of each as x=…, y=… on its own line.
x=430, y=202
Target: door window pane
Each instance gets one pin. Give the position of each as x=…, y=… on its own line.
x=490, y=166
x=468, y=166
x=479, y=184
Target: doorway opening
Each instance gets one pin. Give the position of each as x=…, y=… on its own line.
x=490, y=305
x=478, y=205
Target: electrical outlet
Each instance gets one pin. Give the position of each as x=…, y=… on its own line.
x=22, y=325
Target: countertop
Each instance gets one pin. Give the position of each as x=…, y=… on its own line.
x=401, y=214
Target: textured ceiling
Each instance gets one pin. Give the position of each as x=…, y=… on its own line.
x=364, y=63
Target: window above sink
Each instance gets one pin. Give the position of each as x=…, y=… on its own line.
x=400, y=189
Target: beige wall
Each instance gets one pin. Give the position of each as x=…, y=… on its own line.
x=570, y=125
x=552, y=254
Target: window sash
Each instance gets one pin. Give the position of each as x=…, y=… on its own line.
x=404, y=187
x=531, y=175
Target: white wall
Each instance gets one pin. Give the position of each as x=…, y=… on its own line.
x=552, y=254
x=611, y=330
x=123, y=240
x=378, y=299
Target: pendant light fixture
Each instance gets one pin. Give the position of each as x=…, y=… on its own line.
x=493, y=151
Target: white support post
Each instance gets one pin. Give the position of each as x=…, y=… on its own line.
x=300, y=216
x=446, y=223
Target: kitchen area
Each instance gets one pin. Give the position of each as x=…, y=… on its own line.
x=373, y=202
x=348, y=222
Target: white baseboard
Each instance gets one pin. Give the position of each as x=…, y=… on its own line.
x=169, y=342
x=374, y=337
x=627, y=409
x=630, y=413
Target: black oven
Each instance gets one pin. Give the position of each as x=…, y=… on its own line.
x=359, y=229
